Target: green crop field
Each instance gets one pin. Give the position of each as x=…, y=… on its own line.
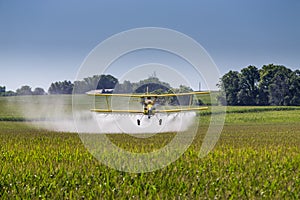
x=256, y=157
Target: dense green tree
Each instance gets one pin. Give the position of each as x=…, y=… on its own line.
x=294, y=88
x=65, y=87
x=274, y=85
x=125, y=87
x=152, y=84
x=2, y=89
x=81, y=87
x=24, y=90
x=184, y=89
x=95, y=82
x=271, y=85
x=10, y=93
x=229, y=85
x=279, y=91
x=87, y=84
x=248, y=90
x=106, y=82
x=39, y=91
x=180, y=100
x=151, y=87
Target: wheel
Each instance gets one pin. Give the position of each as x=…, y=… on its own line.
x=160, y=121
x=138, y=122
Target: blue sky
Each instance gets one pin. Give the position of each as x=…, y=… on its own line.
x=46, y=41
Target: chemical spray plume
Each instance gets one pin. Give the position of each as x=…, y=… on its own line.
x=55, y=113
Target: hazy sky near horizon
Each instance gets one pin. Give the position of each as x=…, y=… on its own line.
x=46, y=41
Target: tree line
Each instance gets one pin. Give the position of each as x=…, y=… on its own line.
x=99, y=82
x=24, y=90
x=270, y=85
x=106, y=82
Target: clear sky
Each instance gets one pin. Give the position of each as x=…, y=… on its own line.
x=46, y=41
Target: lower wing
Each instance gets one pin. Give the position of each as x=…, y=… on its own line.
x=116, y=111
x=156, y=111
x=181, y=110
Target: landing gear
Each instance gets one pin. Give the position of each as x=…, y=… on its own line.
x=159, y=120
x=139, y=120
x=149, y=116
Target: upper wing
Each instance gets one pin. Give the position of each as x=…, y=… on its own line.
x=116, y=111
x=179, y=94
x=181, y=110
x=149, y=95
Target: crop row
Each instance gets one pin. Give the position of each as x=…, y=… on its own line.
x=249, y=161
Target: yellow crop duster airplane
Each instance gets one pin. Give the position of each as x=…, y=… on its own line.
x=149, y=102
